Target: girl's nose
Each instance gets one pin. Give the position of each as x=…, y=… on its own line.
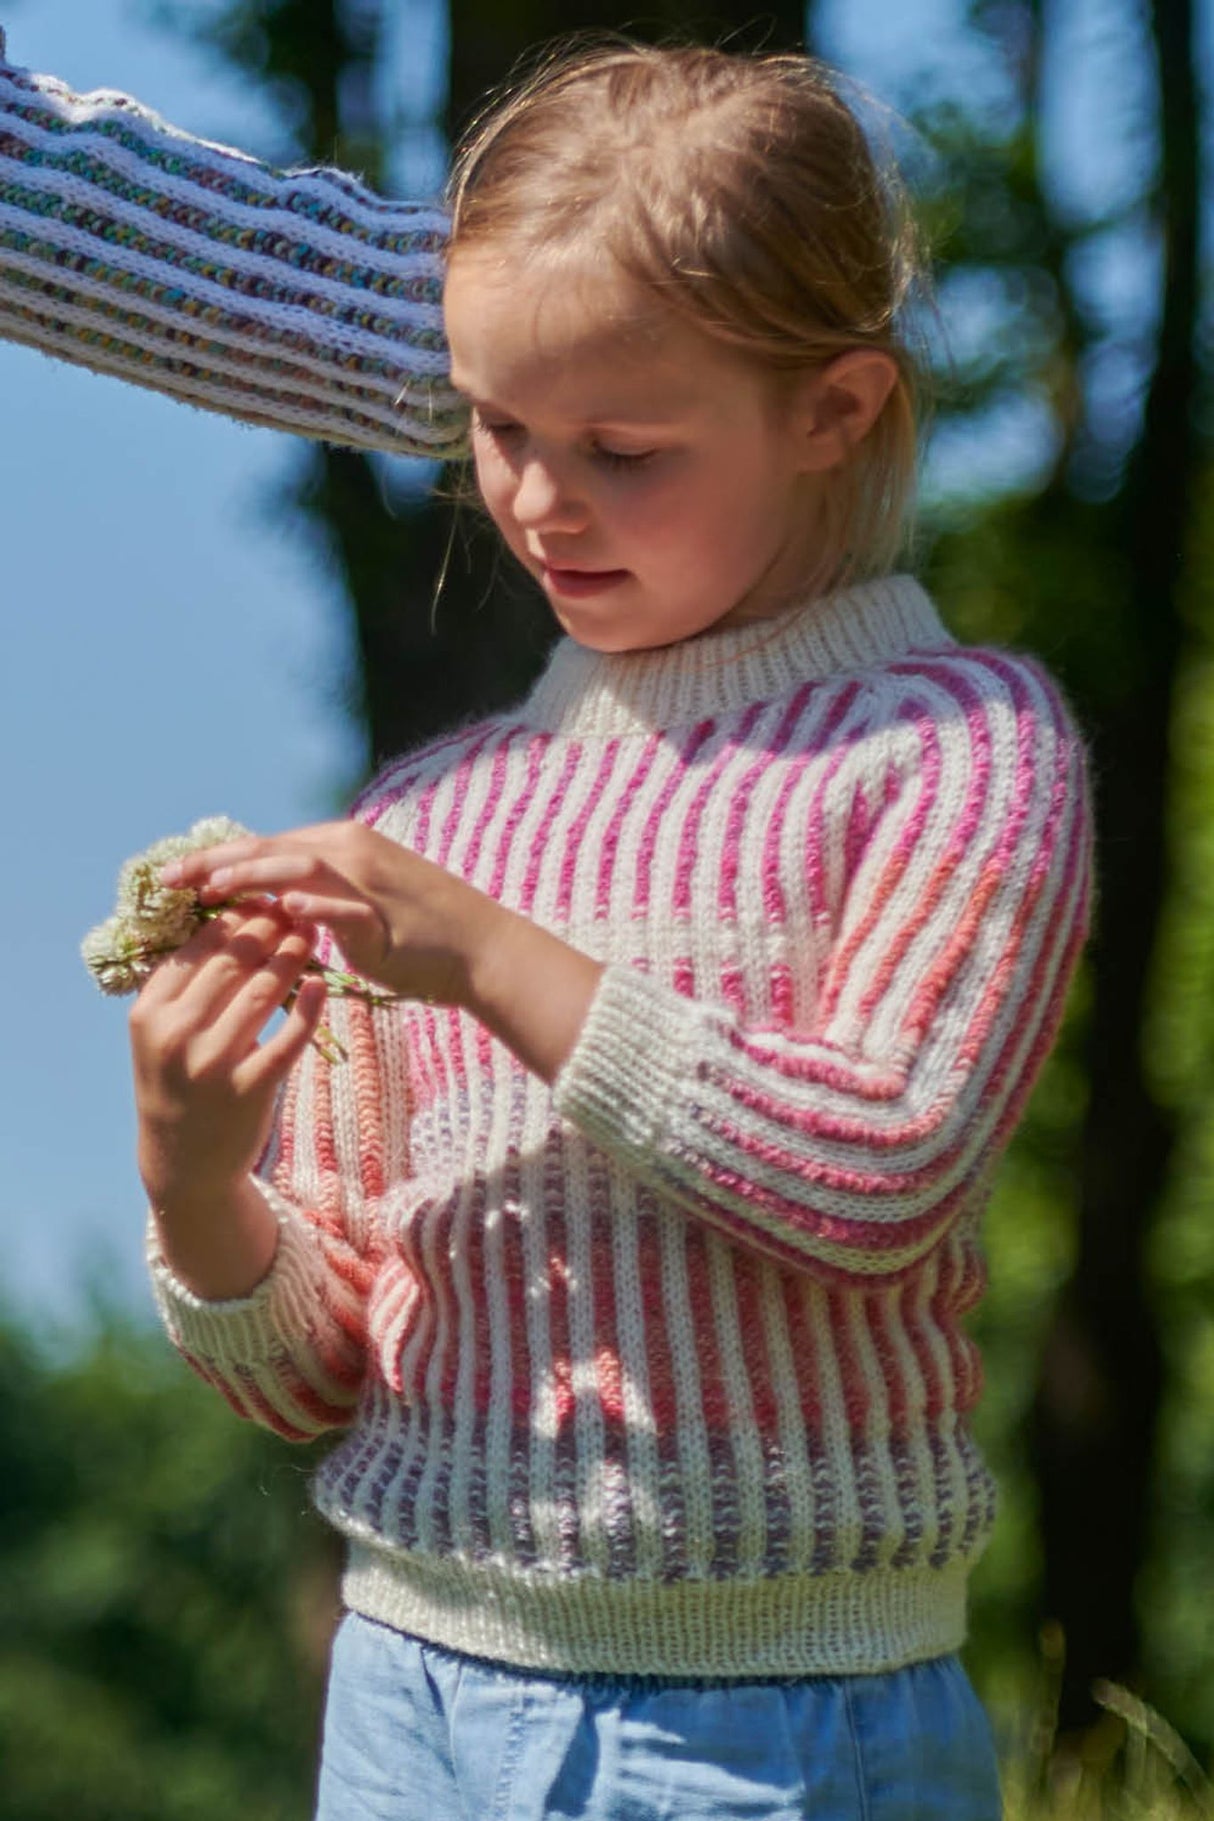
x=544, y=501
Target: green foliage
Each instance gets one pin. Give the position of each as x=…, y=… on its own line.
x=164, y=1595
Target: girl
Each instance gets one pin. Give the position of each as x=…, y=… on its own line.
x=632, y=1252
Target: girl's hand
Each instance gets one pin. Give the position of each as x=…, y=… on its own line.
x=415, y=928
x=204, y=1083
x=398, y=919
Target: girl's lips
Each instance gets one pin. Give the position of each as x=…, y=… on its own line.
x=581, y=582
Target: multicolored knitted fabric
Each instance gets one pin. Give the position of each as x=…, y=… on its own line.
x=663, y=1369
x=296, y=299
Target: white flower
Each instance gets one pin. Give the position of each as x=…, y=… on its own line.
x=165, y=916
x=151, y=919
x=115, y=957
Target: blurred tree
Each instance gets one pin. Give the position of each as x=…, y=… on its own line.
x=165, y=1595
x=1089, y=567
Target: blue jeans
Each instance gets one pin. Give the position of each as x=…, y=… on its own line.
x=413, y=1733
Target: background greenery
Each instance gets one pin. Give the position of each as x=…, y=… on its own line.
x=166, y=1597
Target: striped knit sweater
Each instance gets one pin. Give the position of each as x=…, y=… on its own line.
x=297, y=299
x=663, y=1369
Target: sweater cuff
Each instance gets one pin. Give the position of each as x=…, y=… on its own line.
x=629, y=1073
x=244, y=1330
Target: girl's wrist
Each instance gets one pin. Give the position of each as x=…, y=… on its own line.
x=532, y=990
x=219, y=1241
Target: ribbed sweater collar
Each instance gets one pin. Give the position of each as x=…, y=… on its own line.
x=585, y=693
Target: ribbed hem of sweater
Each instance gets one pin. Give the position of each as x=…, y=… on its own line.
x=840, y=1623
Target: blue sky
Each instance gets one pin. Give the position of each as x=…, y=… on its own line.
x=172, y=651
x=169, y=652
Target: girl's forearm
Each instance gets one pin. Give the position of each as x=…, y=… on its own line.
x=220, y=1246
x=532, y=991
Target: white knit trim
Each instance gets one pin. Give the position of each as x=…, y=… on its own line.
x=838, y=1623
x=591, y=693
x=244, y=1330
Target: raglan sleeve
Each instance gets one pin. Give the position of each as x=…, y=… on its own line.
x=296, y=299
x=847, y=1147
x=293, y=1354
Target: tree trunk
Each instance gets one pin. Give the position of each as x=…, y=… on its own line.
x=1102, y=1375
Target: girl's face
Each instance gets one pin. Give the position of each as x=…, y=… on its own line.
x=654, y=484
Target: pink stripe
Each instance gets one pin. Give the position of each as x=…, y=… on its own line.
x=653, y=833
x=727, y=891
x=552, y=808
x=917, y=1295
x=573, y=856
x=470, y=859
x=809, y=1230
x=775, y=907
x=823, y=911
x=460, y=780
x=628, y=796
x=537, y=748
x=659, y=1357
x=401, y=776
x=908, y=843
x=689, y=832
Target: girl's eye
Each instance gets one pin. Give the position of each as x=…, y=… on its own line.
x=500, y=428
x=623, y=458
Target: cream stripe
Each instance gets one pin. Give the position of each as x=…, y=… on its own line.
x=878, y=1426
x=785, y=1379
x=486, y=1107
x=836, y=1430
x=270, y=217
x=327, y=411
x=143, y=319
x=499, y=1226
x=695, y=1466
x=543, y=1426
x=632, y=1342
x=915, y=1439
x=749, y=1466
x=579, y=1304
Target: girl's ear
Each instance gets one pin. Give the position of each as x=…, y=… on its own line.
x=840, y=404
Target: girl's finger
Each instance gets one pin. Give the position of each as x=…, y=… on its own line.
x=353, y=916
x=171, y=977
x=272, y=1060
x=204, y=975
x=190, y=869
x=237, y=1015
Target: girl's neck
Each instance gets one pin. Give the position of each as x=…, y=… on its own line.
x=588, y=693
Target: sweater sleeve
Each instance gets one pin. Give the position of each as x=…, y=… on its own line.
x=292, y=1355
x=296, y=299
x=847, y=1148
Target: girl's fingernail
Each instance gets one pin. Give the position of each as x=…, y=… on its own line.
x=170, y=874
x=221, y=878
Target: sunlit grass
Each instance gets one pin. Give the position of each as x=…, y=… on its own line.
x=1132, y=1766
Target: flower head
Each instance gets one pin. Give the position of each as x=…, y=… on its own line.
x=115, y=957
x=150, y=919
x=153, y=919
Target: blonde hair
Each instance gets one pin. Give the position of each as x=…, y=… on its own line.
x=743, y=192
